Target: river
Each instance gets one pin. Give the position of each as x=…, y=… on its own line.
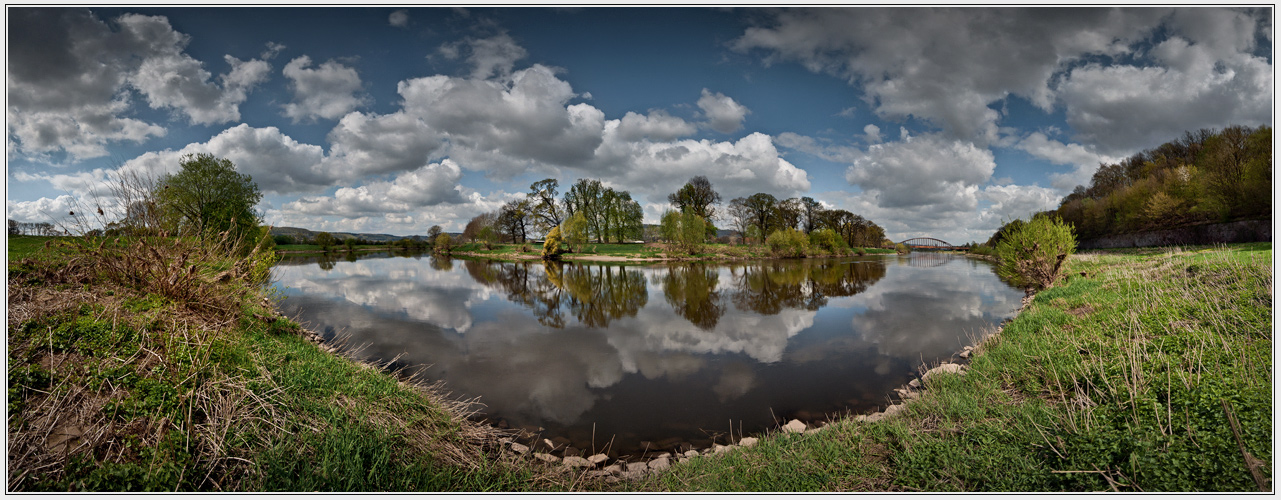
x=653, y=355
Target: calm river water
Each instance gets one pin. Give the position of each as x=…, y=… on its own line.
x=664, y=354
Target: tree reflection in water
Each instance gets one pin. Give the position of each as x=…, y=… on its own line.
x=595, y=295
x=769, y=287
x=691, y=290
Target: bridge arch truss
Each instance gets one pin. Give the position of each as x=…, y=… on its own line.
x=927, y=243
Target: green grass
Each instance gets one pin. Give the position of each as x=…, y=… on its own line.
x=21, y=247
x=1127, y=378
x=113, y=388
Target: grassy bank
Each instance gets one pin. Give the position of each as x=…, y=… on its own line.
x=1143, y=371
x=137, y=366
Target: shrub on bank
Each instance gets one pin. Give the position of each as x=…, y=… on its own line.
x=827, y=241
x=982, y=249
x=552, y=244
x=1032, y=253
x=442, y=244
x=902, y=249
x=788, y=243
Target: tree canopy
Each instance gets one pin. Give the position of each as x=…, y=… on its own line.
x=698, y=197
x=1204, y=176
x=207, y=196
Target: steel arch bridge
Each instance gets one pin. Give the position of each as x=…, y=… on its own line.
x=926, y=243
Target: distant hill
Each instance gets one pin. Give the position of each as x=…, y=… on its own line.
x=307, y=234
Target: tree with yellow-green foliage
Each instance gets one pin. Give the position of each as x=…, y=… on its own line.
x=552, y=245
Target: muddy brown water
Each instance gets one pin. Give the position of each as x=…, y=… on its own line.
x=646, y=356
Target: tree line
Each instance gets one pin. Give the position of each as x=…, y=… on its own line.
x=1205, y=176
x=17, y=228
x=591, y=211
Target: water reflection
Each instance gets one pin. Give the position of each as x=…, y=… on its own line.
x=691, y=290
x=568, y=345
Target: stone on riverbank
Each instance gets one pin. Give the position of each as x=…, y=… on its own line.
x=794, y=426
x=940, y=369
x=575, y=461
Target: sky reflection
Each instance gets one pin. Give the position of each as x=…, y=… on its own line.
x=653, y=352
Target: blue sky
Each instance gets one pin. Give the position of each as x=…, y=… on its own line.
x=940, y=122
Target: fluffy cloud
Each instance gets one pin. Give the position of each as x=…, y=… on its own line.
x=429, y=185
x=656, y=126
x=364, y=144
x=923, y=173
x=1124, y=108
x=70, y=75
x=739, y=168
x=724, y=114
x=328, y=91
x=947, y=66
x=1084, y=161
x=42, y=210
x=276, y=161
x=504, y=127
x=1015, y=202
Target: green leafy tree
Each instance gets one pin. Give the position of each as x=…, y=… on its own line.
x=433, y=233
x=574, y=230
x=699, y=197
x=325, y=240
x=624, y=216
x=684, y=230
x=350, y=243
x=207, y=197
x=443, y=244
x=585, y=197
x=487, y=235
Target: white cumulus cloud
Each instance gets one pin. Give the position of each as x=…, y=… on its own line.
x=71, y=76
x=328, y=91
x=724, y=114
